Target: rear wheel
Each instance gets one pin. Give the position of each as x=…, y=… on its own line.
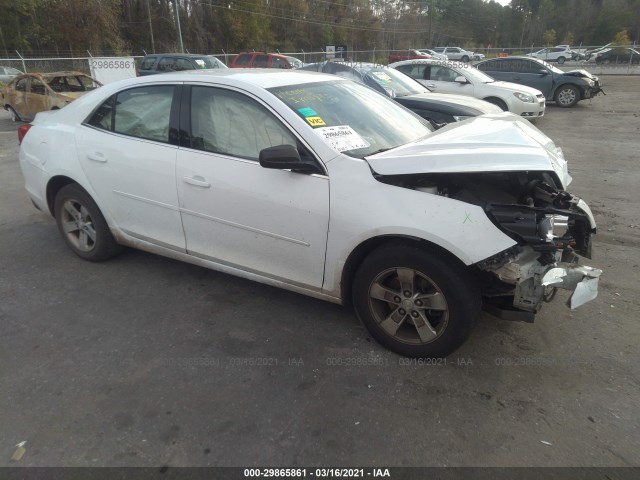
x=567, y=96
x=82, y=226
x=415, y=303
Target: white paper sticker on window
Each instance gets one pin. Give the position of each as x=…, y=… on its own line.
x=342, y=138
x=200, y=62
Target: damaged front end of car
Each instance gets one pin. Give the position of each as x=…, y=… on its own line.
x=552, y=229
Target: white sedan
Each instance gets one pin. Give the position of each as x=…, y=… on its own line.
x=463, y=79
x=322, y=186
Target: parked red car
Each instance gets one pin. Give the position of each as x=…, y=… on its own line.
x=263, y=60
x=411, y=54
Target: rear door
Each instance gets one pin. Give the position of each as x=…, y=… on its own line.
x=237, y=213
x=37, y=97
x=129, y=157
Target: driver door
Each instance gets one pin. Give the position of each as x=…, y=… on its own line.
x=270, y=222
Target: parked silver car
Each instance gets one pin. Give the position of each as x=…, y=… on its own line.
x=8, y=73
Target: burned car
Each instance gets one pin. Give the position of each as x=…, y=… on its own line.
x=31, y=93
x=321, y=186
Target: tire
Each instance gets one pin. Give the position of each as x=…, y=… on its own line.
x=393, y=285
x=561, y=60
x=14, y=115
x=498, y=102
x=465, y=58
x=82, y=226
x=567, y=96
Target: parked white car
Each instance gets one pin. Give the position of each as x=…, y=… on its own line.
x=434, y=55
x=559, y=54
x=457, y=53
x=322, y=186
x=462, y=79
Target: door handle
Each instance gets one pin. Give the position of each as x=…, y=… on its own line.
x=516, y=78
x=97, y=157
x=197, y=181
x=431, y=85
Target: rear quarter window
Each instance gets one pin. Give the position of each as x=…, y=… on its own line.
x=142, y=112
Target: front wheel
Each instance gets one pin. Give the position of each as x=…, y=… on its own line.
x=14, y=115
x=82, y=226
x=415, y=303
x=567, y=96
x=561, y=60
x=465, y=59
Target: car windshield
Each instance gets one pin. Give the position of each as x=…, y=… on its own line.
x=295, y=63
x=395, y=83
x=551, y=67
x=474, y=74
x=353, y=118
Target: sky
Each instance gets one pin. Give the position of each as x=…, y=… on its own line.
x=503, y=2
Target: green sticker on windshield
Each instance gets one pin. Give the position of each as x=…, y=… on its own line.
x=307, y=112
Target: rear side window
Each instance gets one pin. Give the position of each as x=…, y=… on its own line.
x=142, y=112
x=260, y=61
x=243, y=59
x=38, y=87
x=148, y=63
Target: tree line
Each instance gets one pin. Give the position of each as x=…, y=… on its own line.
x=106, y=27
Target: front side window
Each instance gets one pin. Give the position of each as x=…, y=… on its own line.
x=21, y=85
x=260, y=61
x=278, y=63
x=37, y=87
x=442, y=74
x=231, y=123
x=148, y=63
x=142, y=112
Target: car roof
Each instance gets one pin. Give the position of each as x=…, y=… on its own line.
x=258, y=77
x=188, y=55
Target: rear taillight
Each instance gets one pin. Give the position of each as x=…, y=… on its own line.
x=22, y=131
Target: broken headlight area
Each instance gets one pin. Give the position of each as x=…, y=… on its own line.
x=551, y=228
x=527, y=206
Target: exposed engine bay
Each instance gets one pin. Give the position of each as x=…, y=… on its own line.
x=550, y=225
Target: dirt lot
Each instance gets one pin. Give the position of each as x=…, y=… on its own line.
x=147, y=361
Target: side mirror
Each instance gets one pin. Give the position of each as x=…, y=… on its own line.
x=544, y=71
x=285, y=157
x=461, y=79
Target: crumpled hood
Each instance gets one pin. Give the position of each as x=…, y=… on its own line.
x=488, y=143
x=581, y=73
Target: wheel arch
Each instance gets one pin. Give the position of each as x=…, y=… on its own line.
x=497, y=101
x=360, y=252
x=565, y=83
x=53, y=187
